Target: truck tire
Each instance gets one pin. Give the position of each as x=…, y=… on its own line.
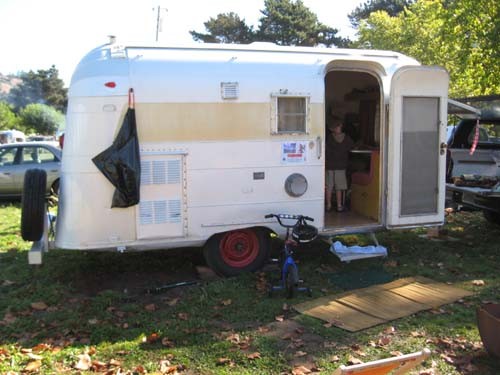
x=33, y=204
x=492, y=217
x=235, y=252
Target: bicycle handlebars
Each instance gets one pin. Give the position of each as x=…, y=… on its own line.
x=289, y=217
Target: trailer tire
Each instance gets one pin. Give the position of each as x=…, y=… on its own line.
x=492, y=217
x=235, y=252
x=33, y=204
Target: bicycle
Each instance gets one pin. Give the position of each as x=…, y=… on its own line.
x=301, y=233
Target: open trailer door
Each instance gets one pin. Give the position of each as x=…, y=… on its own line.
x=417, y=147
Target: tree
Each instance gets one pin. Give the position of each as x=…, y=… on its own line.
x=391, y=7
x=41, y=119
x=462, y=36
x=44, y=87
x=284, y=22
x=226, y=28
x=8, y=119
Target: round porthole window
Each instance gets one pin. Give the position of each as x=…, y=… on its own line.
x=296, y=185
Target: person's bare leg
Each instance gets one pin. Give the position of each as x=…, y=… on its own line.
x=340, y=203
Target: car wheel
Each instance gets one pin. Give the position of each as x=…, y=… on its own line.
x=492, y=217
x=235, y=252
x=33, y=204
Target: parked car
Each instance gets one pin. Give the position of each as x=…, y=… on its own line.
x=473, y=165
x=17, y=158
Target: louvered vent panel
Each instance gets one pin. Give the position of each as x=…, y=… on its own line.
x=174, y=211
x=230, y=90
x=146, y=213
x=159, y=172
x=160, y=212
x=174, y=172
x=146, y=173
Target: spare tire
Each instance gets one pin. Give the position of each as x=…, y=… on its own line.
x=33, y=204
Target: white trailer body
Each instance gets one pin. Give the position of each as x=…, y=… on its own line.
x=229, y=133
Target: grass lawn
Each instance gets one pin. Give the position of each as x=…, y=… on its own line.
x=83, y=312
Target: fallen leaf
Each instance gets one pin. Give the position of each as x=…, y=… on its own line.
x=226, y=302
x=354, y=361
x=36, y=357
x=390, y=330
x=279, y=318
x=84, y=362
x=167, y=343
x=115, y=363
x=334, y=358
x=173, y=301
x=478, y=282
x=93, y=321
x=8, y=318
x=150, y=307
x=300, y=370
x=33, y=366
x=299, y=354
x=140, y=370
x=223, y=361
x=39, y=306
x=384, y=341
x=40, y=348
x=152, y=338
x=183, y=316
x=255, y=355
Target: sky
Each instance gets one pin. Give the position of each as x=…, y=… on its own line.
x=36, y=34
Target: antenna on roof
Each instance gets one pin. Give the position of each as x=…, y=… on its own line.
x=112, y=39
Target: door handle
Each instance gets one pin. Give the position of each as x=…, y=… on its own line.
x=318, y=147
x=442, y=148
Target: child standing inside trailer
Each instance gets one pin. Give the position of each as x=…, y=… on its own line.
x=338, y=145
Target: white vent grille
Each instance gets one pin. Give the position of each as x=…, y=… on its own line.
x=146, y=213
x=146, y=175
x=230, y=90
x=159, y=172
x=174, y=211
x=174, y=171
x=160, y=212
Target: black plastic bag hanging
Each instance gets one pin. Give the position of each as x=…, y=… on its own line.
x=121, y=163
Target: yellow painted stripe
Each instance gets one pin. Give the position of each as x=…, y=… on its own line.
x=167, y=122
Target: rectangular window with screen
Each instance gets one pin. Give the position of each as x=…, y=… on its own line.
x=290, y=114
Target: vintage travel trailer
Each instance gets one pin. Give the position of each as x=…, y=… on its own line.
x=229, y=133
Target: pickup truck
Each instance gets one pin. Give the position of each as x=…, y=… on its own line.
x=473, y=163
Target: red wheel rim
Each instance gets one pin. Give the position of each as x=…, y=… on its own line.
x=239, y=248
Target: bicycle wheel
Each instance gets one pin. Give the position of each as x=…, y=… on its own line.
x=291, y=281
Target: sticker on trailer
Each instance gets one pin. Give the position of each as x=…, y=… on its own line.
x=293, y=152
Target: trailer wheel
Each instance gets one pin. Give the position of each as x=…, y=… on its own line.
x=232, y=253
x=33, y=204
x=492, y=217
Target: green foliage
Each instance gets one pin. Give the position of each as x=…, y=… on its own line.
x=461, y=36
x=41, y=118
x=44, y=86
x=284, y=22
x=225, y=28
x=391, y=7
x=8, y=119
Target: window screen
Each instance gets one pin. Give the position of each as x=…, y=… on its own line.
x=291, y=114
x=420, y=156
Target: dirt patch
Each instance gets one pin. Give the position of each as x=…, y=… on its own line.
x=297, y=343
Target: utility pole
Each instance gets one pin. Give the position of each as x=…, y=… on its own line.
x=158, y=19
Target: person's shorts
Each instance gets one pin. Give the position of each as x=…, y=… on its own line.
x=336, y=180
